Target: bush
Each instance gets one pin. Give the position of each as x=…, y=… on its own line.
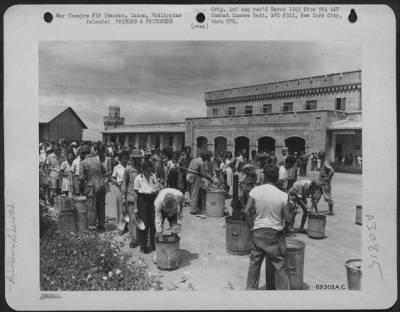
x=77, y=261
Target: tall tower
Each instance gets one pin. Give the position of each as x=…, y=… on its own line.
x=113, y=120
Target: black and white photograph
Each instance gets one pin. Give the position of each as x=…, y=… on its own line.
x=189, y=156
x=183, y=165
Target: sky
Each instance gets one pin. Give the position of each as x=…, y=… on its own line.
x=165, y=81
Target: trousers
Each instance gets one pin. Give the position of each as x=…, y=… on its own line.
x=194, y=194
x=146, y=212
x=268, y=244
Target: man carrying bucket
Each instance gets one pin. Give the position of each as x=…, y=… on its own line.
x=166, y=207
x=298, y=194
x=268, y=236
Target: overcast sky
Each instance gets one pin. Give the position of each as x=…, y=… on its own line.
x=163, y=81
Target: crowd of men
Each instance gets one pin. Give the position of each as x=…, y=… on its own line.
x=150, y=186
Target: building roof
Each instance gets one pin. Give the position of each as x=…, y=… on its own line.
x=149, y=128
x=350, y=123
x=49, y=112
x=305, y=83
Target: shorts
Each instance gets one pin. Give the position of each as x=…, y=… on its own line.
x=53, y=183
x=326, y=192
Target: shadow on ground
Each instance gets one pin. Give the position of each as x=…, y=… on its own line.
x=186, y=257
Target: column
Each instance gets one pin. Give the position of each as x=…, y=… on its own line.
x=161, y=141
x=117, y=139
x=333, y=146
x=211, y=148
x=126, y=139
x=174, y=142
x=194, y=150
x=279, y=145
x=148, y=142
x=137, y=140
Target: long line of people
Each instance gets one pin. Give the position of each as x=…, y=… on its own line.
x=136, y=176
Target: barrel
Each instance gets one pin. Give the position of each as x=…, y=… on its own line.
x=316, y=226
x=295, y=264
x=167, y=250
x=238, y=236
x=215, y=203
x=63, y=203
x=354, y=275
x=81, y=211
x=295, y=258
x=359, y=214
x=66, y=221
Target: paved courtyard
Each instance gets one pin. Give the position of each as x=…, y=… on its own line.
x=205, y=264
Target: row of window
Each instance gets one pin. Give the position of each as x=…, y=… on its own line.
x=340, y=104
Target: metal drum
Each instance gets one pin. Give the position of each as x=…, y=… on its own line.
x=81, y=211
x=354, y=275
x=359, y=214
x=238, y=236
x=66, y=221
x=167, y=250
x=316, y=226
x=215, y=203
x=295, y=253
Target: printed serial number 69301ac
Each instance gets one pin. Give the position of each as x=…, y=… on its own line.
x=330, y=286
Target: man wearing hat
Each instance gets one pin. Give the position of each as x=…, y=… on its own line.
x=326, y=173
x=91, y=175
x=282, y=156
x=75, y=148
x=52, y=166
x=129, y=197
x=195, y=173
x=166, y=207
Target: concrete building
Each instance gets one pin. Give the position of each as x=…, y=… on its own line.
x=158, y=135
x=59, y=122
x=322, y=112
x=310, y=114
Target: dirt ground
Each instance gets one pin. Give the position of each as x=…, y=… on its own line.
x=206, y=265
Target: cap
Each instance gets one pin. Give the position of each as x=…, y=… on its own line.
x=85, y=149
x=49, y=148
x=74, y=144
x=147, y=152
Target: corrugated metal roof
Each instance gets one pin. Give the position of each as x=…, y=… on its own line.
x=48, y=112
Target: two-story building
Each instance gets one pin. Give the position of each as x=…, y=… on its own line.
x=310, y=114
x=322, y=112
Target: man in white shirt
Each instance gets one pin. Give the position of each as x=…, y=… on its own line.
x=146, y=186
x=166, y=207
x=272, y=218
x=117, y=177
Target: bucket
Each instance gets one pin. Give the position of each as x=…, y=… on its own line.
x=354, y=275
x=316, y=226
x=63, y=203
x=295, y=264
x=359, y=214
x=215, y=203
x=66, y=221
x=238, y=236
x=81, y=211
x=295, y=258
x=167, y=250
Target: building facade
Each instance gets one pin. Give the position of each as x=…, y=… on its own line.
x=59, y=123
x=309, y=114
